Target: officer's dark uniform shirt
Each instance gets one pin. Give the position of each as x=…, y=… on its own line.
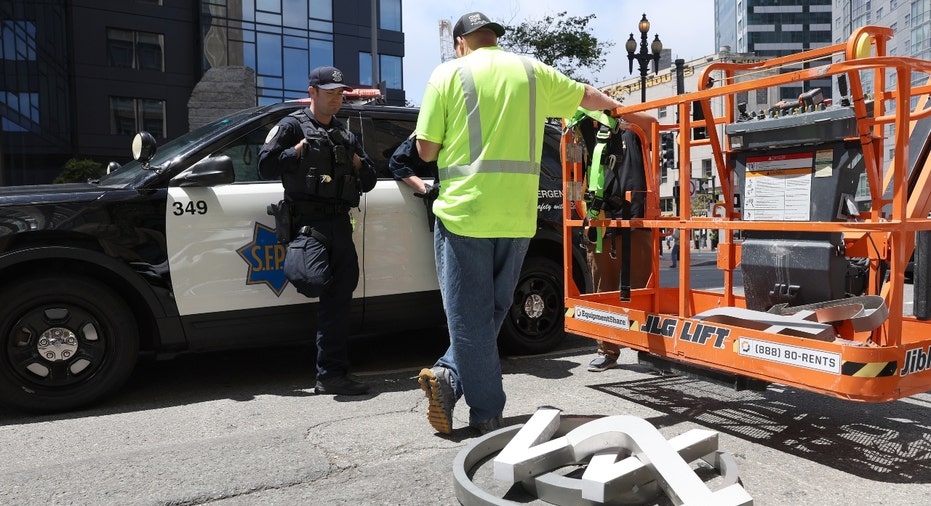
x=315, y=176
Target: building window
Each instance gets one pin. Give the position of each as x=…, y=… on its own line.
x=23, y=111
x=135, y=50
x=762, y=96
x=920, y=28
x=280, y=39
x=661, y=112
x=17, y=40
x=390, y=18
x=706, y=169
x=389, y=69
x=322, y=9
x=120, y=48
x=321, y=53
x=130, y=115
x=365, y=68
x=18, y=44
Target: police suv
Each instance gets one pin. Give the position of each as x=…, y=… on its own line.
x=175, y=252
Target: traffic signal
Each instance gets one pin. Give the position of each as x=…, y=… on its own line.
x=698, y=116
x=668, y=150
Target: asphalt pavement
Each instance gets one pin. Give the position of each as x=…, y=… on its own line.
x=245, y=429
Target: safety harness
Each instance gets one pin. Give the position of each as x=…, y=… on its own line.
x=595, y=194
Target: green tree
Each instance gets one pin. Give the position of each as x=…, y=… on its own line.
x=563, y=42
x=701, y=203
x=79, y=171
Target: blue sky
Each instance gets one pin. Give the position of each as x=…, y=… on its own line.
x=685, y=26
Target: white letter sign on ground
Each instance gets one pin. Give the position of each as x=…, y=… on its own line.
x=531, y=452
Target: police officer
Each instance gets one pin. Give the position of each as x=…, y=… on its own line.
x=324, y=171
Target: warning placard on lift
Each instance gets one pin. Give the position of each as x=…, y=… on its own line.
x=778, y=187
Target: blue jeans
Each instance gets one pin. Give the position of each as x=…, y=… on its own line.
x=477, y=280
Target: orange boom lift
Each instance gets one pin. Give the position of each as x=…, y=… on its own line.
x=817, y=221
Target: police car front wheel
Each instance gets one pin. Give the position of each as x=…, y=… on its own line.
x=65, y=341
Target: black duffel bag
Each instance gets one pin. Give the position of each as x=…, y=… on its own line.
x=307, y=262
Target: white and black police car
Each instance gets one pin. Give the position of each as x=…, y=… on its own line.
x=175, y=252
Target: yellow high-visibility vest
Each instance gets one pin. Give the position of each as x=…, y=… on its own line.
x=488, y=111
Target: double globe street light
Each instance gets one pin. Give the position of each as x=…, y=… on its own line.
x=643, y=56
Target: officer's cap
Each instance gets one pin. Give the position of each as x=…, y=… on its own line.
x=327, y=78
x=473, y=21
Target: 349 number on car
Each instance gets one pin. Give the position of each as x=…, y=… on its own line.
x=192, y=207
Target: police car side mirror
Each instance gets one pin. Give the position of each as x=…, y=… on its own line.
x=211, y=171
x=143, y=147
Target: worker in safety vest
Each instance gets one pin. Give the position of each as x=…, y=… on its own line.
x=605, y=263
x=482, y=119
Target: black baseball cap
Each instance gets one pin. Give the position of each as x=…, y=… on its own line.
x=473, y=21
x=327, y=78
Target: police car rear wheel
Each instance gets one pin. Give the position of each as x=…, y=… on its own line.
x=535, y=320
x=66, y=341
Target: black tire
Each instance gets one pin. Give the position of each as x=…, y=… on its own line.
x=535, y=323
x=65, y=342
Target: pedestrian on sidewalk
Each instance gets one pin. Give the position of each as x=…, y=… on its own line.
x=675, y=247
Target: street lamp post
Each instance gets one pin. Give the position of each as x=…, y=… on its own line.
x=643, y=56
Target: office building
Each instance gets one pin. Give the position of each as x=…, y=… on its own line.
x=81, y=77
x=768, y=28
x=910, y=21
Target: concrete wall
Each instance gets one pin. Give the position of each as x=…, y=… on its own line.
x=222, y=91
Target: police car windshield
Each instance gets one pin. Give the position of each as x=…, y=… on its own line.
x=179, y=146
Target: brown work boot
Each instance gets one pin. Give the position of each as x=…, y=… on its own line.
x=439, y=390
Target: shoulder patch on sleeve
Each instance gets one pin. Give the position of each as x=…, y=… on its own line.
x=271, y=134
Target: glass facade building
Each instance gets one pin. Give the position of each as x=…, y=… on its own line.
x=282, y=40
x=771, y=28
x=780, y=27
x=35, y=88
x=81, y=77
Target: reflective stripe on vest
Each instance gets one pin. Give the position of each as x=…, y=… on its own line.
x=474, y=126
